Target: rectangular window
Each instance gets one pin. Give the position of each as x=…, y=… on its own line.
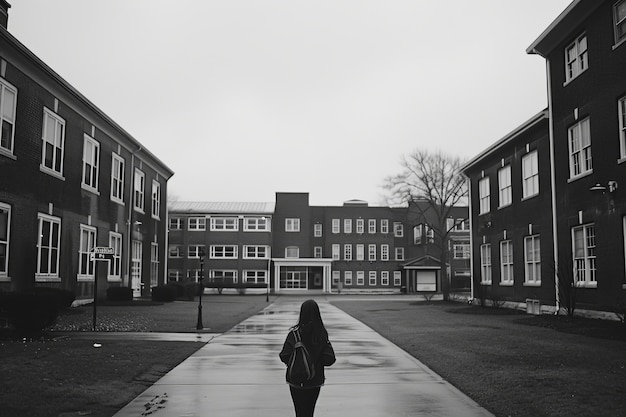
x=53, y=146
x=347, y=252
x=175, y=251
x=532, y=260
x=224, y=252
x=584, y=249
x=117, y=178
x=384, y=252
x=223, y=275
x=399, y=254
x=5, y=229
x=360, y=252
x=174, y=275
x=8, y=102
x=195, y=251
x=484, y=195
x=347, y=276
x=224, y=224
x=371, y=251
x=136, y=264
x=384, y=278
x=504, y=186
x=317, y=230
x=371, y=226
x=156, y=199
x=317, y=252
x=336, y=277
x=176, y=223
x=506, y=262
x=255, y=277
x=360, y=226
x=91, y=162
x=154, y=264
x=462, y=225
x=397, y=278
x=115, y=265
x=398, y=229
x=579, y=141
x=423, y=234
x=335, y=225
x=384, y=226
x=139, y=190
x=530, y=175
x=292, y=225
x=461, y=251
x=372, y=278
x=360, y=277
x=622, y=124
x=292, y=252
x=619, y=13
x=347, y=225
x=485, y=263
x=86, y=266
x=336, y=250
x=255, y=252
x=576, y=61
x=256, y=224
x=197, y=224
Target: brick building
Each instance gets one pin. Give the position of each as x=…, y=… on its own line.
x=72, y=179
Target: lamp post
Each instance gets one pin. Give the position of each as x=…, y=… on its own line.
x=199, y=325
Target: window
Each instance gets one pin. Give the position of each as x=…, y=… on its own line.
x=579, y=148
x=619, y=13
x=360, y=252
x=576, y=61
x=176, y=223
x=115, y=265
x=154, y=264
x=506, y=262
x=372, y=278
x=335, y=226
x=384, y=278
x=223, y=275
x=117, y=178
x=371, y=226
x=197, y=224
x=5, y=228
x=347, y=277
x=225, y=224
x=399, y=254
x=317, y=230
x=255, y=252
x=360, y=277
x=292, y=252
x=384, y=226
x=360, y=226
x=86, y=266
x=175, y=251
x=532, y=260
x=292, y=225
x=256, y=224
x=224, y=251
x=371, y=250
x=140, y=188
x=398, y=229
x=336, y=277
x=8, y=102
x=336, y=249
x=584, y=249
x=53, y=143
x=504, y=185
x=347, y=225
x=397, y=278
x=384, y=252
x=462, y=225
x=422, y=234
x=461, y=250
x=485, y=263
x=317, y=252
x=194, y=274
x=91, y=162
x=136, y=264
x=156, y=199
x=174, y=275
x=256, y=277
x=347, y=252
x=530, y=175
x=622, y=124
x=195, y=251
x=483, y=195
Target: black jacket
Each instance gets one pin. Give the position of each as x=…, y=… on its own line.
x=325, y=356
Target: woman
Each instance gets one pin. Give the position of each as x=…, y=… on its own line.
x=315, y=338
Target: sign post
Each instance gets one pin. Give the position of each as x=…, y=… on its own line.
x=98, y=254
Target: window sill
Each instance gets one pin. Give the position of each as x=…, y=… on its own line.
x=504, y=206
x=583, y=175
x=139, y=210
x=114, y=279
x=586, y=285
x=5, y=278
x=621, y=160
x=506, y=284
x=89, y=189
x=619, y=43
x=47, y=278
x=532, y=284
x=8, y=154
x=567, y=82
x=530, y=197
x=51, y=172
x=84, y=278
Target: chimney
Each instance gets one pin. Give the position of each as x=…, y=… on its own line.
x=4, y=13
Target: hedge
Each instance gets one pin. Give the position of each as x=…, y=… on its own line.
x=120, y=294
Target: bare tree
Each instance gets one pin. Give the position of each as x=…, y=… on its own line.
x=434, y=180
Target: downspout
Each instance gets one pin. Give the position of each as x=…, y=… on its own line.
x=555, y=246
x=469, y=191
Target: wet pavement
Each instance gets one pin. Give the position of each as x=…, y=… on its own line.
x=238, y=373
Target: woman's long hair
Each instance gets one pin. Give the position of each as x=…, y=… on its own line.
x=311, y=326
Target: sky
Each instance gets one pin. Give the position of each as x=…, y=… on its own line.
x=246, y=98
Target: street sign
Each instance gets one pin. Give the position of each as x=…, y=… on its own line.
x=102, y=253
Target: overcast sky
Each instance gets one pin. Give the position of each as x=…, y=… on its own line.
x=246, y=98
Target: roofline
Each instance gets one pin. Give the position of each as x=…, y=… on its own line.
x=542, y=115
x=81, y=98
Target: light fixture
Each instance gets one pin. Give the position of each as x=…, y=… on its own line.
x=611, y=186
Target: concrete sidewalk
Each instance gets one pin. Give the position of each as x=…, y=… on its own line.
x=239, y=373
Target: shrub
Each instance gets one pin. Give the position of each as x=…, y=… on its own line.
x=61, y=297
x=29, y=312
x=163, y=293
x=119, y=294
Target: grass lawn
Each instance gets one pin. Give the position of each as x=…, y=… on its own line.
x=58, y=374
x=508, y=362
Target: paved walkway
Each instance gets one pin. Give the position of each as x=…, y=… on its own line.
x=239, y=373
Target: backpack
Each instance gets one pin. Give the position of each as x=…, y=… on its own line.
x=300, y=367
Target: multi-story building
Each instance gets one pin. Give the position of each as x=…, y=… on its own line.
x=354, y=247
x=585, y=150
x=72, y=179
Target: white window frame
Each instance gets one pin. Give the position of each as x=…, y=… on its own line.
x=347, y=277
x=86, y=266
x=360, y=226
x=318, y=252
x=156, y=200
x=8, y=109
x=56, y=142
x=154, y=264
x=621, y=114
x=224, y=224
x=461, y=250
x=5, y=240
x=195, y=251
x=360, y=277
x=317, y=230
x=347, y=252
x=175, y=251
x=619, y=21
x=505, y=187
x=115, y=264
x=224, y=274
x=576, y=58
x=584, y=256
x=91, y=163
x=371, y=226
x=373, y=278
x=360, y=252
x=336, y=250
x=530, y=174
x=256, y=252
x=579, y=145
x=397, y=278
x=384, y=226
x=174, y=275
x=224, y=252
x=384, y=278
x=336, y=277
x=532, y=260
x=484, y=195
x=347, y=226
x=196, y=224
x=292, y=225
x=255, y=276
x=384, y=252
x=399, y=254
x=292, y=252
x=139, y=190
x=398, y=229
x=52, y=248
x=371, y=253
x=117, y=178
x=485, y=263
x=506, y=262
x=335, y=226
x=176, y=223
x=256, y=224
